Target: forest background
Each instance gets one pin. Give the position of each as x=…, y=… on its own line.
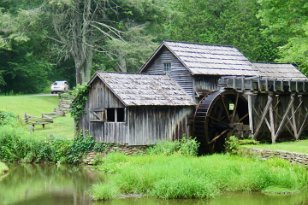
x=46, y=40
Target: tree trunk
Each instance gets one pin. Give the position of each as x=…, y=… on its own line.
x=83, y=68
x=122, y=62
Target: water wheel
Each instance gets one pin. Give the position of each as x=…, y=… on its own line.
x=218, y=115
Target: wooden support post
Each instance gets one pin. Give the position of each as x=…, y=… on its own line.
x=269, y=102
x=285, y=115
x=293, y=124
x=250, y=114
x=303, y=125
x=272, y=124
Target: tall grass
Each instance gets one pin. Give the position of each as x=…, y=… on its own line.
x=3, y=168
x=17, y=144
x=179, y=176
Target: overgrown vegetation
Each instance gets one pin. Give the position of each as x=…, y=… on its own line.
x=17, y=144
x=186, y=146
x=232, y=145
x=166, y=172
x=80, y=94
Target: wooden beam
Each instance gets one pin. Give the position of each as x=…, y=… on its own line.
x=250, y=114
x=269, y=102
x=285, y=115
x=218, y=136
x=294, y=127
x=303, y=125
x=272, y=124
x=235, y=107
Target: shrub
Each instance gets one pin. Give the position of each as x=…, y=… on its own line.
x=7, y=118
x=17, y=144
x=186, y=146
x=81, y=96
x=232, y=145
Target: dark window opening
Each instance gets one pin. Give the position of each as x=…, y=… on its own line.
x=120, y=115
x=167, y=67
x=110, y=115
x=115, y=115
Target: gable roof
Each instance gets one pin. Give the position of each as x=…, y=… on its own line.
x=279, y=71
x=138, y=89
x=201, y=59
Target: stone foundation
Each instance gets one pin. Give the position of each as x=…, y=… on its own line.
x=292, y=157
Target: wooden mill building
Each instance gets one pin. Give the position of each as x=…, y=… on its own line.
x=132, y=109
x=200, y=90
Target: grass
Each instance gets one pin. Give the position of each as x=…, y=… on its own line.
x=36, y=105
x=3, y=169
x=179, y=176
x=300, y=146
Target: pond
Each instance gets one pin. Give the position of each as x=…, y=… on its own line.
x=69, y=185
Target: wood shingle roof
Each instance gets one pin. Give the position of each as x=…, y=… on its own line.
x=279, y=71
x=201, y=59
x=138, y=89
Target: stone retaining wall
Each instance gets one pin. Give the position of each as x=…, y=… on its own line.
x=265, y=154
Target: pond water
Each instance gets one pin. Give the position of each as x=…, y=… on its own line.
x=69, y=185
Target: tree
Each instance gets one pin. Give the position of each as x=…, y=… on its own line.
x=81, y=26
x=231, y=22
x=286, y=23
x=24, y=65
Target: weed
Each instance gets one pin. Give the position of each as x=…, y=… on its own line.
x=186, y=146
x=104, y=191
x=232, y=145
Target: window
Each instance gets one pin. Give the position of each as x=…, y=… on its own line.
x=110, y=115
x=167, y=67
x=115, y=115
x=120, y=115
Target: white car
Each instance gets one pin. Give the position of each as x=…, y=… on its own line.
x=59, y=86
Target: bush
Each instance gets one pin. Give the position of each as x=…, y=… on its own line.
x=17, y=144
x=232, y=145
x=186, y=146
x=7, y=118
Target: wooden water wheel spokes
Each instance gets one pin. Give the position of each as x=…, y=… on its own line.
x=218, y=115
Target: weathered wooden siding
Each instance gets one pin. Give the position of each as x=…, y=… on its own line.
x=149, y=125
x=206, y=83
x=100, y=98
x=178, y=72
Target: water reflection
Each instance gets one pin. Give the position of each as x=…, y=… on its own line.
x=46, y=184
x=68, y=185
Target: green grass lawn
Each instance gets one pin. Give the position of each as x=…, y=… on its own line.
x=36, y=105
x=300, y=146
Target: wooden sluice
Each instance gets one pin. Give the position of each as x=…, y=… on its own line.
x=277, y=108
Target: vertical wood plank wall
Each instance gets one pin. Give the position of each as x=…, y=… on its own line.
x=100, y=97
x=206, y=83
x=178, y=72
x=152, y=124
